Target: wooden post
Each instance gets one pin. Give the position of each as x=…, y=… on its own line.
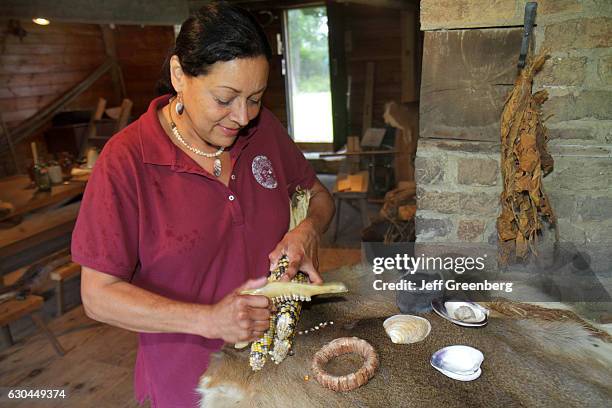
x=48, y=333
x=59, y=293
x=408, y=61
x=109, y=44
x=9, y=140
x=124, y=114
x=91, y=127
x=337, y=220
x=6, y=335
x=368, y=98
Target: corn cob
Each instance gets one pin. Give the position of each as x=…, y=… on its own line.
x=261, y=347
x=286, y=323
x=287, y=297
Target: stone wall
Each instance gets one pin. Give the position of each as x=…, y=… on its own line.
x=459, y=181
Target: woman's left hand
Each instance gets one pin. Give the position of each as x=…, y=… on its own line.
x=301, y=246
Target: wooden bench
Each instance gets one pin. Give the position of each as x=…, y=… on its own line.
x=61, y=274
x=15, y=309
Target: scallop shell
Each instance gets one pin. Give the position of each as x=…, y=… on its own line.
x=406, y=329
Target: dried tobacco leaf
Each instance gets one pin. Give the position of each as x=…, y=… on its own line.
x=525, y=160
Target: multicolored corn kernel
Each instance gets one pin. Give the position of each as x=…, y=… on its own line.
x=261, y=348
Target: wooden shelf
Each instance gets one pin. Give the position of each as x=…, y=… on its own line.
x=364, y=153
x=15, y=190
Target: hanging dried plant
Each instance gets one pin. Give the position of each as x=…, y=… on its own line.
x=525, y=160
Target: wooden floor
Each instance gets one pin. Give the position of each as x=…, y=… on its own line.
x=97, y=371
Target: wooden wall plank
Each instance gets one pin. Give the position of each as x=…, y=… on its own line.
x=50, y=60
x=375, y=36
x=54, y=39
x=54, y=78
x=29, y=91
x=368, y=97
x=141, y=52
x=15, y=104
x=42, y=49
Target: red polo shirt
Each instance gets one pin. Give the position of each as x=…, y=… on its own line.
x=153, y=217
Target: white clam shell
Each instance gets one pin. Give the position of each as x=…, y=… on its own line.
x=459, y=361
x=406, y=329
x=462, y=313
x=458, y=377
x=465, y=312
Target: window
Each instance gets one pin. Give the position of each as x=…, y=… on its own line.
x=307, y=59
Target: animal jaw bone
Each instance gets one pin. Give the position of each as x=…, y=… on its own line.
x=280, y=291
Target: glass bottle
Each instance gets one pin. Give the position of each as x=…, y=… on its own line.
x=43, y=181
x=41, y=174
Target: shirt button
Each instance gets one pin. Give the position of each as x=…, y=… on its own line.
x=233, y=177
x=231, y=198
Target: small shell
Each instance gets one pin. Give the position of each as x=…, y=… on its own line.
x=466, y=312
x=461, y=361
x=462, y=313
x=406, y=329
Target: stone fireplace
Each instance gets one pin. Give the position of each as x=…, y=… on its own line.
x=470, y=54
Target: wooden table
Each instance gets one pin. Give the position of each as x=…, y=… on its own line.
x=16, y=190
x=46, y=226
x=371, y=155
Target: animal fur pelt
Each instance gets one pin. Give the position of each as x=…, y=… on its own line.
x=519, y=310
x=528, y=361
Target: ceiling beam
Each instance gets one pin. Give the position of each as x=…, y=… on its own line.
x=137, y=12
x=395, y=4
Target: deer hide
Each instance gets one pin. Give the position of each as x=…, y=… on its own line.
x=528, y=362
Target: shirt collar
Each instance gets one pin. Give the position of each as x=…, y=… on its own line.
x=156, y=146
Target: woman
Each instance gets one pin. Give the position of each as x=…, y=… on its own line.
x=189, y=205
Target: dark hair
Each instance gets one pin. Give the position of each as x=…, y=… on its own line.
x=217, y=32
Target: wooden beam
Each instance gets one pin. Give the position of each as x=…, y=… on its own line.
x=338, y=70
x=395, y=4
x=150, y=12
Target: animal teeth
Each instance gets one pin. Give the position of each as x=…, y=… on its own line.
x=275, y=289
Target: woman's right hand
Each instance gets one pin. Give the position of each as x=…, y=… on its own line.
x=241, y=318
